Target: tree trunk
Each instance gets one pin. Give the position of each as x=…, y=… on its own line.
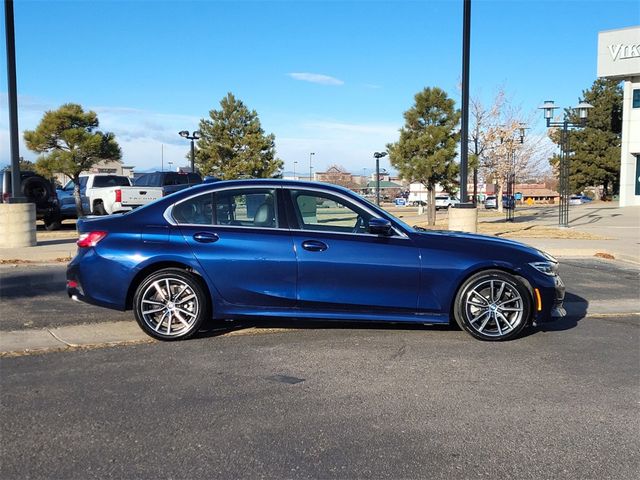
x=77, y=196
x=431, y=204
x=499, y=190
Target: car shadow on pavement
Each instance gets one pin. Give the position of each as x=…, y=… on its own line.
x=576, y=307
x=217, y=328
x=31, y=284
x=58, y=241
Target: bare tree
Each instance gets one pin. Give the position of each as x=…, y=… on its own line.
x=501, y=151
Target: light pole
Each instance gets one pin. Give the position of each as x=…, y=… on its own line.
x=464, y=121
x=582, y=108
x=194, y=136
x=310, y=166
x=295, y=162
x=511, y=176
x=378, y=156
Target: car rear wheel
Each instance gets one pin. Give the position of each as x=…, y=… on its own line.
x=493, y=305
x=98, y=209
x=171, y=304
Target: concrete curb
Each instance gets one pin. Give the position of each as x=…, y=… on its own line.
x=70, y=337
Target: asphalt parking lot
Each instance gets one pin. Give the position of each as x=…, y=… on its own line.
x=332, y=402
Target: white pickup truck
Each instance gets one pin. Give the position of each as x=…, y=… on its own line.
x=107, y=193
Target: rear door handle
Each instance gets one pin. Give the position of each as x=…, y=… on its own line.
x=205, y=237
x=314, y=246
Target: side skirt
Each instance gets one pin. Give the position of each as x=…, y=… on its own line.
x=235, y=311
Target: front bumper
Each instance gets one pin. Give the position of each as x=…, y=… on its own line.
x=550, y=306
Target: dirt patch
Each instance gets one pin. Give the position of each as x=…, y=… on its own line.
x=16, y=261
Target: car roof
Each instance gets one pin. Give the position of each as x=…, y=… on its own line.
x=268, y=181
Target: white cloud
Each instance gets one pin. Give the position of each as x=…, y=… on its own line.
x=348, y=144
x=316, y=78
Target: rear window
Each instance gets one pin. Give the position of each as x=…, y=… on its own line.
x=110, y=181
x=181, y=179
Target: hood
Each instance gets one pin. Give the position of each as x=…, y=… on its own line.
x=465, y=241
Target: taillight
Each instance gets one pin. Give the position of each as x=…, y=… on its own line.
x=6, y=196
x=119, y=195
x=90, y=239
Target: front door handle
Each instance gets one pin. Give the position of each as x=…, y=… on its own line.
x=205, y=237
x=314, y=246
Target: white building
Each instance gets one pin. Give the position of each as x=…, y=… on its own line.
x=619, y=57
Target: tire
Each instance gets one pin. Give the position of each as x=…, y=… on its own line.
x=493, y=305
x=98, y=209
x=36, y=189
x=52, y=224
x=171, y=318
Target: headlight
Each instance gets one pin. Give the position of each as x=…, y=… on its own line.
x=548, y=268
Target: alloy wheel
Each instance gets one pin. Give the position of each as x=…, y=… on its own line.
x=494, y=308
x=170, y=307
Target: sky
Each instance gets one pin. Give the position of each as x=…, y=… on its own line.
x=329, y=77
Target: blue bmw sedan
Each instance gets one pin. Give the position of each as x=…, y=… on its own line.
x=305, y=250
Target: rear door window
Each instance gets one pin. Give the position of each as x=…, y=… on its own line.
x=255, y=207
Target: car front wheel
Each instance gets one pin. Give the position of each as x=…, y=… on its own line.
x=493, y=305
x=171, y=304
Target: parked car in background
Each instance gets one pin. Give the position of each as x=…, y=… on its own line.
x=68, y=202
x=445, y=201
x=491, y=202
x=109, y=193
x=304, y=250
x=38, y=190
x=170, y=182
x=579, y=199
x=508, y=201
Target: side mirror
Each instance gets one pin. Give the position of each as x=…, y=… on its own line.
x=380, y=226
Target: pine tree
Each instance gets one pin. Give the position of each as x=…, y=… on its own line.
x=70, y=143
x=426, y=150
x=595, y=149
x=234, y=145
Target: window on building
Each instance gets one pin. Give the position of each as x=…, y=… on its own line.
x=636, y=98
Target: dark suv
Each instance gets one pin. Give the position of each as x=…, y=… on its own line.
x=36, y=189
x=169, y=181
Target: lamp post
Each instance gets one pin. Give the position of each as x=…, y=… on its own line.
x=511, y=176
x=582, y=109
x=194, y=136
x=378, y=156
x=295, y=162
x=310, y=166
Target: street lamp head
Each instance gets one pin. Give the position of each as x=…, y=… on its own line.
x=196, y=135
x=379, y=154
x=583, y=108
x=548, y=106
x=523, y=128
x=183, y=133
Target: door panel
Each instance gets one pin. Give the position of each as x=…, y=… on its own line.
x=357, y=271
x=340, y=265
x=247, y=266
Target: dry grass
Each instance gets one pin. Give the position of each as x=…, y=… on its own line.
x=521, y=230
